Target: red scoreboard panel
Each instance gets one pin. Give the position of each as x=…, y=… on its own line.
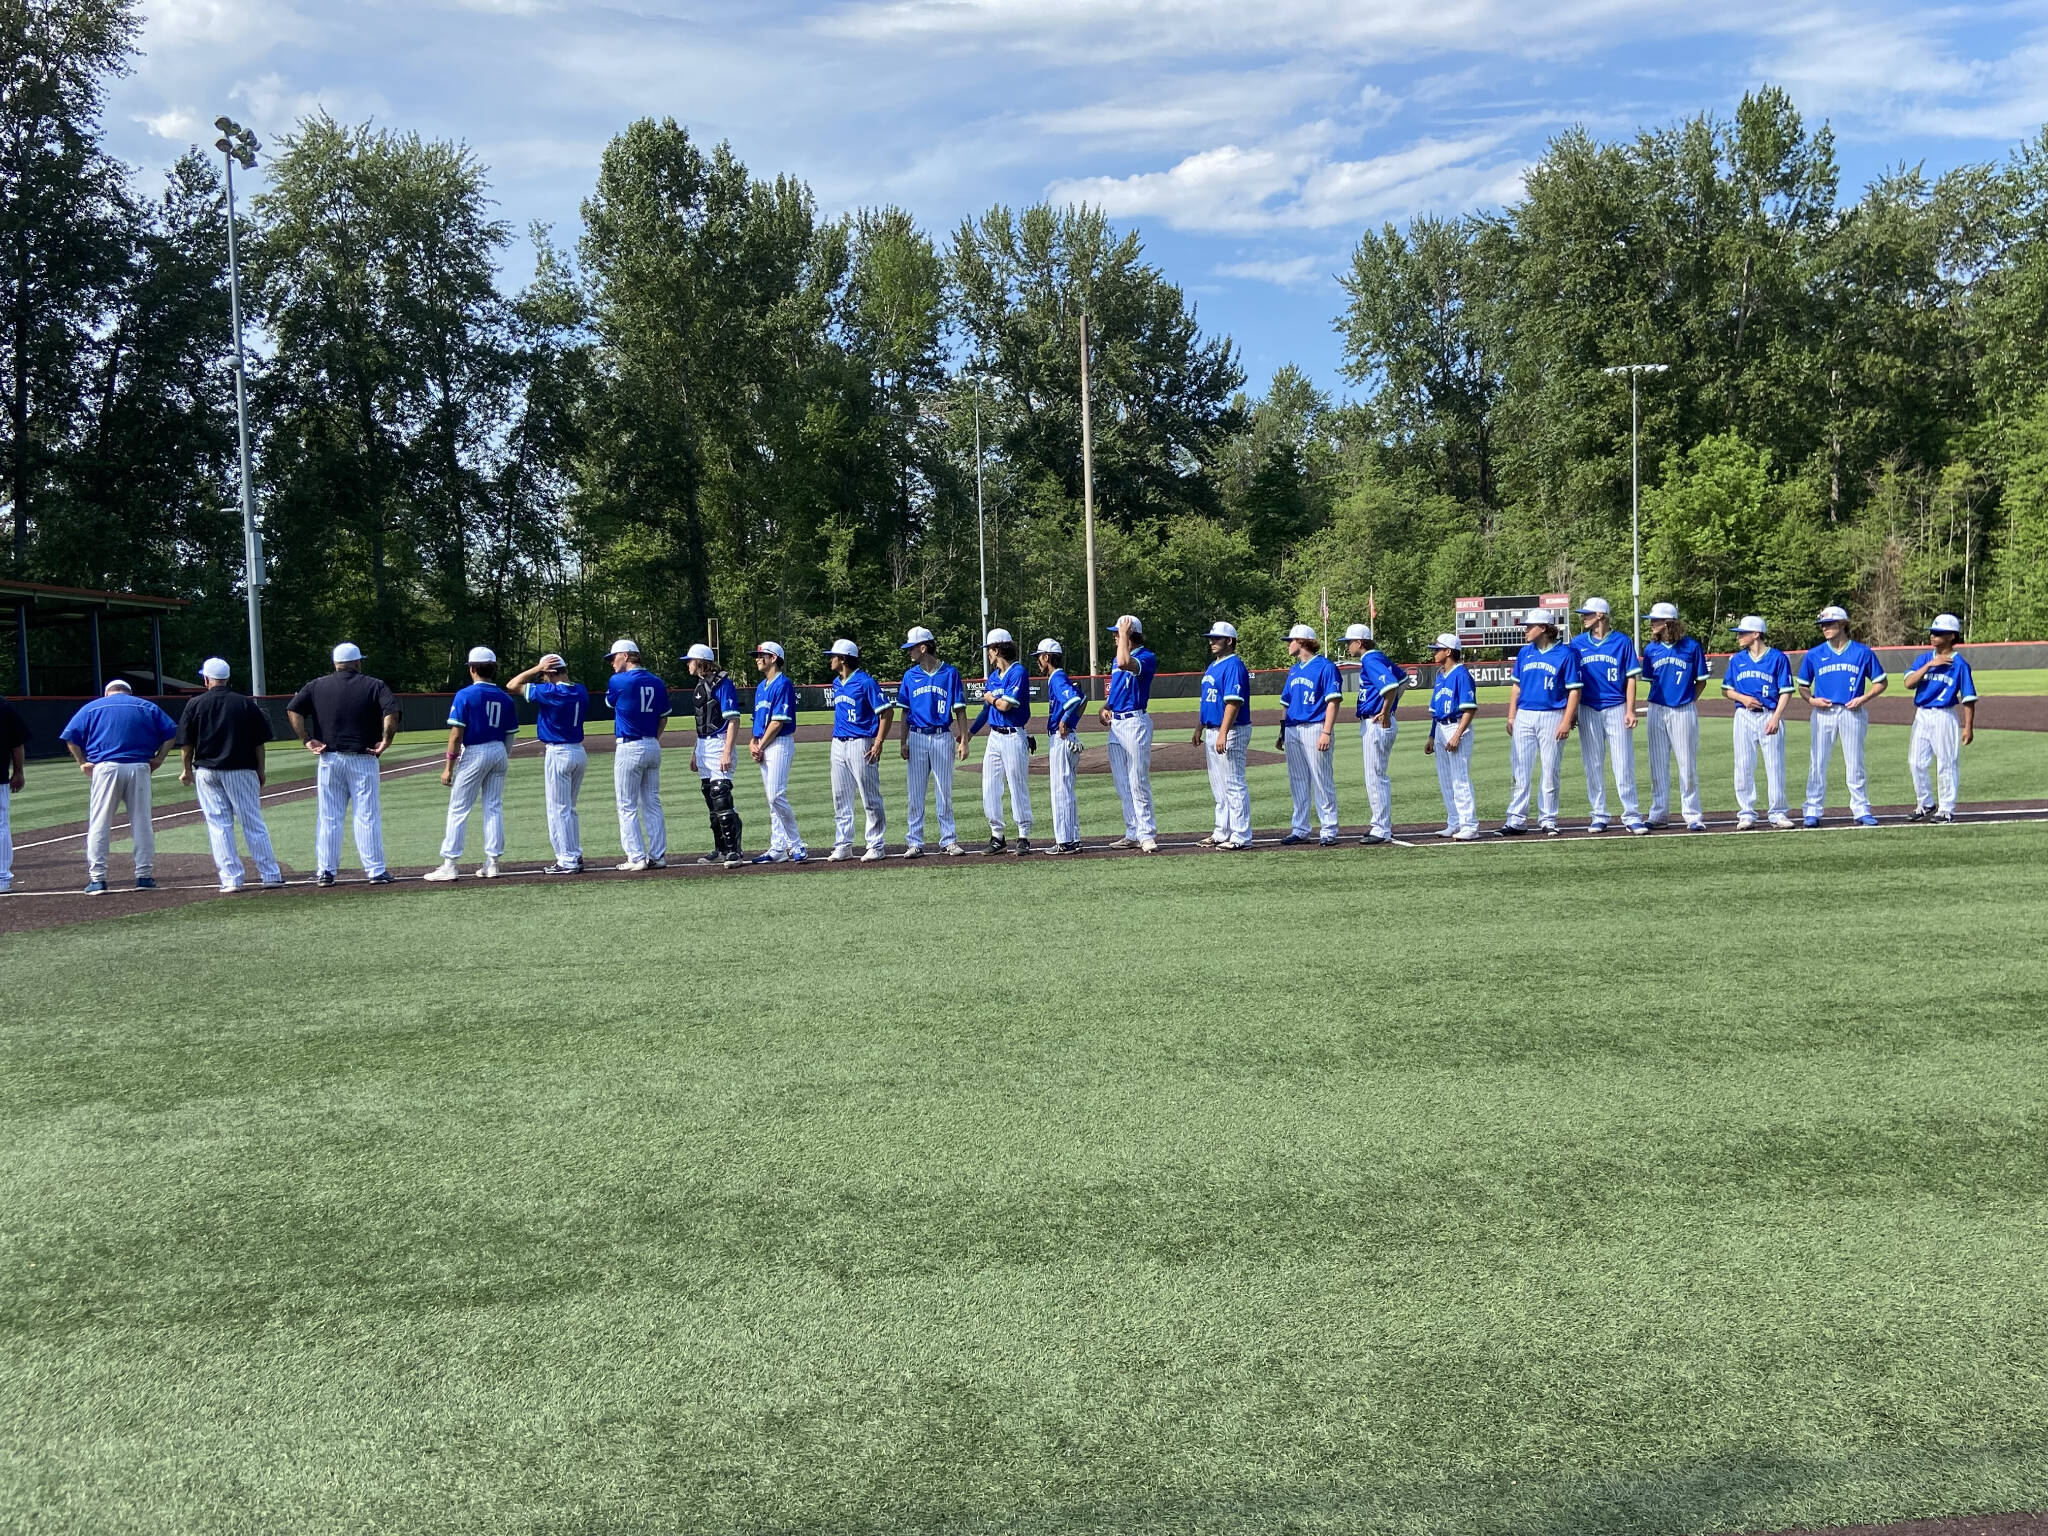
x=1505, y=620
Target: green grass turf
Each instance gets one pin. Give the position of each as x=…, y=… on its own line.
x=2000, y=765
x=1259, y=1194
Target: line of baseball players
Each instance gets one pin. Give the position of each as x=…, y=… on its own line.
x=1590, y=684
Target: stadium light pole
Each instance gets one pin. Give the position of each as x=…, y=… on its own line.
x=1088, y=512
x=238, y=144
x=980, y=507
x=1635, y=499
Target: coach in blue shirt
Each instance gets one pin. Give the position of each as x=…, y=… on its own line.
x=118, y=740
x=1839, y=677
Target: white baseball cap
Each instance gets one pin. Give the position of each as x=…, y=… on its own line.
x=999, y=637
x=769, y=648
x=1130, y=619
x=1945, y=624
x=481, y=654
x=843, y=648
x=1358, y=632
x=1751, y=624
x=215, y=668
x=1541, y=616
x=1050, y=647
x=118, y=685
x=554, y=661
x=1663, y=611
x=918, y=635
x=625, y=648
x=1448, y=643
x=1833, y=614
x=348, y=650
x=1301, y=632
x=700, y=652
x=1594, y=605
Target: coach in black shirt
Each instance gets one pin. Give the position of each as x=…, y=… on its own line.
x=347, y=719
x=221, y=735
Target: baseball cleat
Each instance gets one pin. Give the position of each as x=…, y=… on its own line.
x=1866, y=820
x=996, y=844
x=1148, y=845
x=953, y=851
x=1211, y=841
x=914, y=851
x=633, y=866
x=1124, y=842
x=96, y=888
x=1695, y=826
x=1783, y=823
x=1465, y=835
x=490, y=871
x=1922, y=813
x=711, y=858
x=1547, y=828
x=1232, y=847
x=1944, y=818
x=230, y=890
x=382, y=877
x=273, y=885
x=660, y=863
x=840, y=853
x=1596, y=826
x=1023, y=846
x=733, y=860
x=1809, y=821
x=872, y=856
x=445, y=870
x=1505, y=830
x=1292, y=839
x=326, y=877
x=1373, y=839
x=800, y=856
x=765, y=858
x=145, y=883
x=1447, y=830
x=563, y=867
x=1745, y=823
x=1639, y=829
x=1326, y=842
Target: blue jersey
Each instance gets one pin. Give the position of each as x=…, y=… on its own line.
x=1011, y=683
x=1063, y=701
x=1132, y=691
x=775, y=699
x=1605, y=666
x=930, y=700
x=857, y=704
x=120, y=728
x=1226, y=680
x=1547, y=674
x=1311, y=684
x=559, y=709
x=1379, y=684
x=1675, y=671
x=1946, y=685
x=486, y=714
x=1453, y=695
x=1838, y=676
x=1764, y=678
x=639, y=702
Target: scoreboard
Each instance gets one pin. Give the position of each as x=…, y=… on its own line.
x=1505, y=620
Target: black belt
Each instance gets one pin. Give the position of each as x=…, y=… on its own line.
x=933, y=730
x=1125, y=714
x=1003, y=730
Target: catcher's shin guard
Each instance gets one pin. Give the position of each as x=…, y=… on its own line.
x=725, y=821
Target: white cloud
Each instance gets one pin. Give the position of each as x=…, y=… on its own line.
x=1284, y=272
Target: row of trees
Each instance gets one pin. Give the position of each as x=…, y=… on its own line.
x=721, y=407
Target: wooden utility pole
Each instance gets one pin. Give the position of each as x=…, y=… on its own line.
x=1088, y=513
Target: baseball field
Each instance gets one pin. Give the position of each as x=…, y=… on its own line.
x=1672, y=1185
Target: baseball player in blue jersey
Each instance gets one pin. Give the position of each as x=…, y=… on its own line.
x=1225, y=727
x=774, y=748
x=1453, y=701
x=861, y=721
x=1063, y=705
x=1380, y=683
x=1126, y=711
x=932, y=698
x=1608, y=669
x=482, y=720
x=640, y=711
x=1006, y=760
x=560, y=707
x=1758, y=682
x=1839, y=676
x=1543, y=705
x=1944, y=721
x=1309, y=700
x=118, y=740
x=1676, y=665
x=715, y=705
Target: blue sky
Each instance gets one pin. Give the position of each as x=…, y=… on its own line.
x=1250, y=140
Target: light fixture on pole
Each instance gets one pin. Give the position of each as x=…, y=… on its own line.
x=1635, y=499
x=1088, y=511
x=238, y=146
x=980, y=508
